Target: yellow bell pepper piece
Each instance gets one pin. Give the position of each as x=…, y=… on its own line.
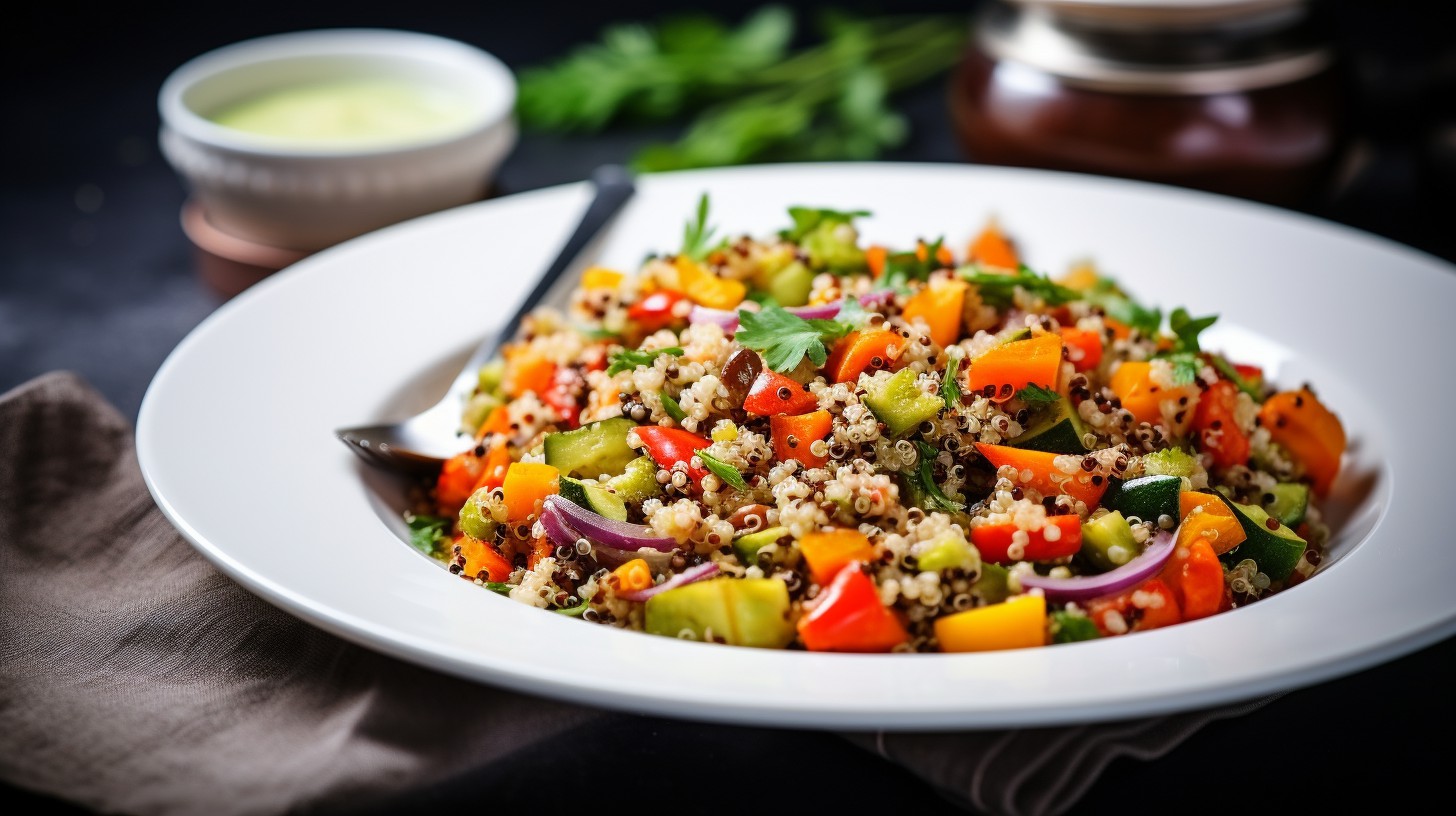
x=706, y=289
x=1018, y=623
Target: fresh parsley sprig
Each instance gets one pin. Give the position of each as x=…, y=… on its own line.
x=628, y=359
x=784, y=338
x=723, y=470
x=999, y=289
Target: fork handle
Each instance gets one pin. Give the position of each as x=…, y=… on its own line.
x=613, y=187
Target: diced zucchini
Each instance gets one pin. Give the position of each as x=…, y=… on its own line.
x=595, y=497
x=1056, y=428
x=1069, y=628
x=1107, y=542
x=1146, y=497
x=1291, y=502
x=748, y=546
x=1275, y=549
x=638, y=481
x=597, y=449
x=900, y=405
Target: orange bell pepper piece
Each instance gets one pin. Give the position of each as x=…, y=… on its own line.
x=1017, y=623
x=993, y=248
x=827, y=551
x=940, y=305
x=850, y=618
x=1301, y=424
x=1214, y=522
x=1084, y=347
x=526, y=485
x=794, y=435
x=1196, y=578
x=859, y=350
x=1045, y=477
x=994, y=540
x=1004, y=370
x=481, y=556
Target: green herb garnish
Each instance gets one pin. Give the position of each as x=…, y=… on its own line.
x=998, y=289
x=697, y=235
x=950, y=385
x=784, y=338
x=926, y=476
x=808, y=219
x=723, y=470
x=1036, y=393
x=671, y=407
x=428, y=534
x=628, y=359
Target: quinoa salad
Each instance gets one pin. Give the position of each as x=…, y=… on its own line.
x=801, y=441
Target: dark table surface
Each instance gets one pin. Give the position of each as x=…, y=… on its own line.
x=96, y=277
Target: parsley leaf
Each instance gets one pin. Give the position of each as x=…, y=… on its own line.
x=1187, y=328
x=785, y=338
x=1186, y=366
x=428, y=534
x=808, y=219
x=998, y=289
x=697, y=235
x=1035, y=393
x=628, y=359
x=950, y=385
x=933, y=493
x=723, y=470
x=671, y=407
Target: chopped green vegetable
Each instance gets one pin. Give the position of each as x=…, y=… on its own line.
x=671, y=407
x=785, y=338
x=723, y=470
x=932, y=490
x=997, y=289
x=950, y=384
x=1035, y=393
x=697, y=235
x=428, y=534
x=628, y=359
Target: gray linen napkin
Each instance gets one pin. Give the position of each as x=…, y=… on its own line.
x=136, y=678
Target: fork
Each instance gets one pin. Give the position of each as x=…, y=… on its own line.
x=427, y=439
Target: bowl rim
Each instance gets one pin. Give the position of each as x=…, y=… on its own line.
x=443, y=53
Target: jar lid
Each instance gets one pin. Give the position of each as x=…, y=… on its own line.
x=1194, y=47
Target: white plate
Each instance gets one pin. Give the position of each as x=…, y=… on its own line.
x=235, y=438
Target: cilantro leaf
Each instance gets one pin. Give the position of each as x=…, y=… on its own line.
x=1035, y=393
x=671, y=407
x=808, y=219
x=628, y=359
x=428, y=534
x=950, y=385
x=723, y=470
x=697, y=235
x=1186, y=366
x=785, y=338
x=1187, y=328
x=998, y=290
x=926, y=476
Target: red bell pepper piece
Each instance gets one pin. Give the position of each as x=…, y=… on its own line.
x=1149, y=605
x=1218, y=434
x=794, y=435
x=850, y=618
x=772, y=393
x=993, y=540
x=656, y=310
x=668, y=446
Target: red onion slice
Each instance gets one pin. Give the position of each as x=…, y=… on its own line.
x=607, y=532
x=707, y=569
x=1144, y=566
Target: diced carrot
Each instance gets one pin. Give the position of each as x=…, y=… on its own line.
x=994, y=541
x=1006, y=369
x=526, y=485
x=993, y=248
x=794, y=436
x=859, y=350
x=1045, y=477
x=633, y=576
x=482, y=556
x=940, y=305
x=1301, y=424
x=1084, y=347
x=1017, y=623
x=1213, y=522
x=828, y=551
x=599, y=277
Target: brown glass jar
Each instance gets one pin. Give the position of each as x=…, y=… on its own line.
x=1234, y=97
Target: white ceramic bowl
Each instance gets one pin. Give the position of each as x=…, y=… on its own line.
x=305, y=197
